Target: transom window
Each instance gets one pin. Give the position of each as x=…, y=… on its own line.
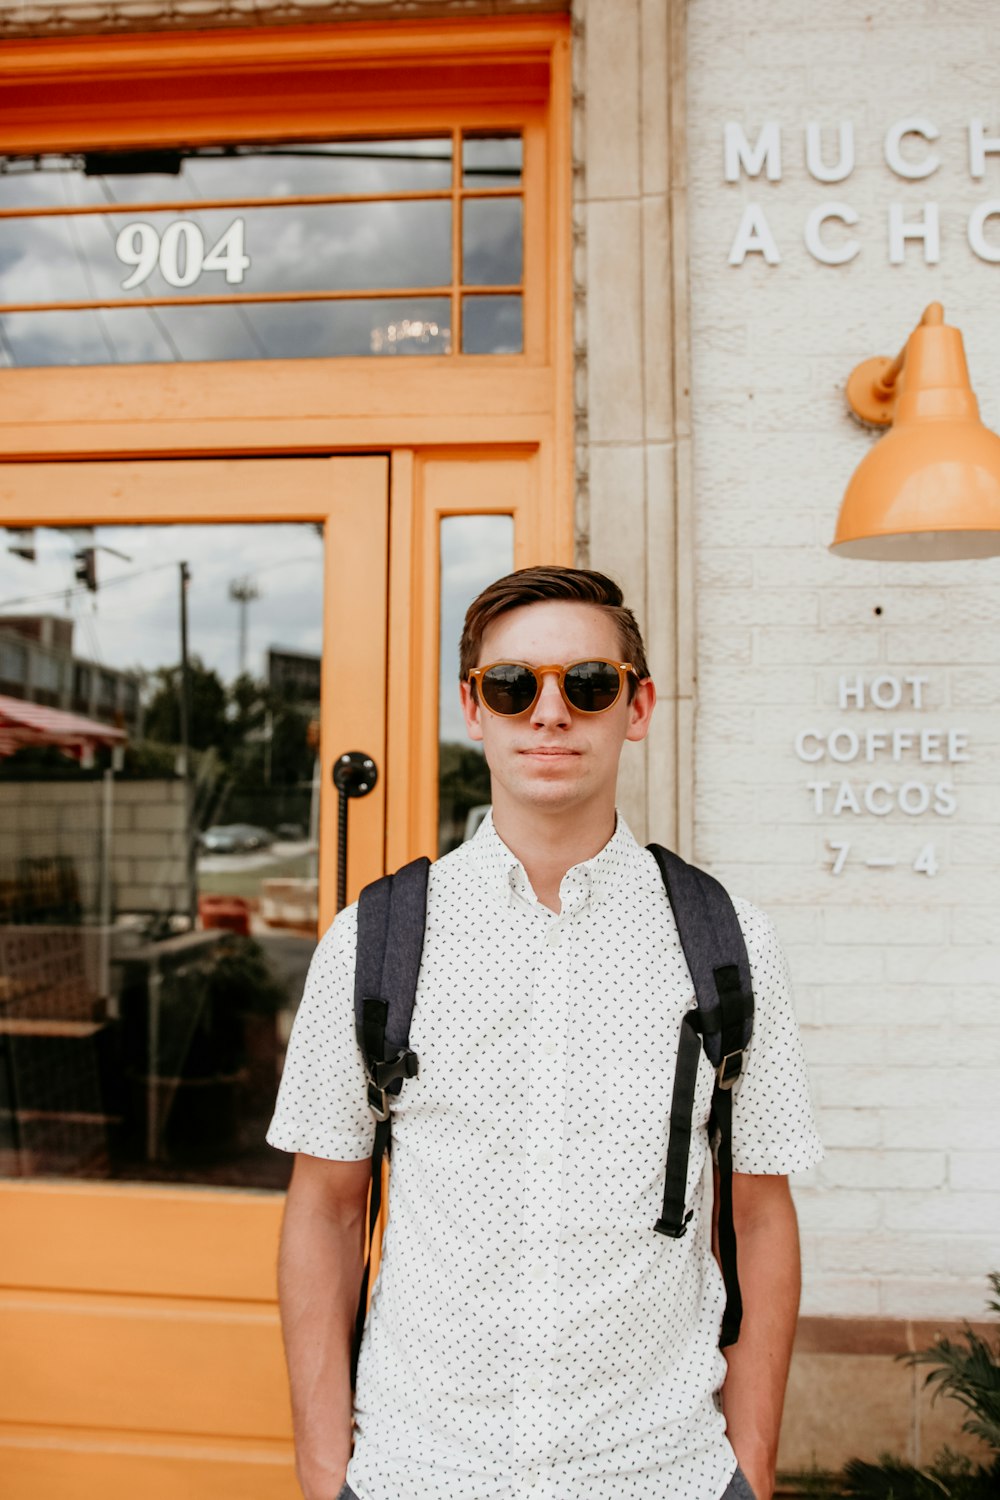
x=408, y=246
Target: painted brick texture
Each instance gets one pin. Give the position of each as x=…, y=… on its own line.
x=63, y=821
x=897, y=971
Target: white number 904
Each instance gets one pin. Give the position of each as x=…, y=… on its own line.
x=180, y=253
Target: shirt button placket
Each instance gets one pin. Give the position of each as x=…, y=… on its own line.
x=545, y=1121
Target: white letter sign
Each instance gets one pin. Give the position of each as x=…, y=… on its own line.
x=740, y=153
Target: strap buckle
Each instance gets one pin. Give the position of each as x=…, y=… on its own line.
x=378, y=1101
x=388, y=1071
x=730, y=1069
x=674, y=1231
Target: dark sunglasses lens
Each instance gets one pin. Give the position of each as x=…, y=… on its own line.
x=592, y=685
x=508, y=688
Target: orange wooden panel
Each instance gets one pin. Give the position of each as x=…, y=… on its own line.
x=353, y=670
x=37, y=1466
x=310, y=405
x=80, y=93
x=145, y=1364
x=190, y=490
x=101, y=1237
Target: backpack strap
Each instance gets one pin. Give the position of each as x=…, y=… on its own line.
x=721, y=1024
x=391, y=916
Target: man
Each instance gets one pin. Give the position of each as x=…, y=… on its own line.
x=530, y=1334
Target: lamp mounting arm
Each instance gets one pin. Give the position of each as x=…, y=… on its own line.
x=872, y=385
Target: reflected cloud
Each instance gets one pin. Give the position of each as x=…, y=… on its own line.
x=475, y=550
x=133, y=620
x=291, y=248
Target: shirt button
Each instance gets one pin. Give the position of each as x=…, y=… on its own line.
x=554, y=937
x=538, y=1274
x=545, y=1158
x=550, y=1048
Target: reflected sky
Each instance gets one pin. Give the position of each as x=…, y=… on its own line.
x=276, y=171
x=134, y=619
x=475, y=550
x=285, y=330
x=491, y=241
x=288, y=248
x=492, y=161
x=318, y=247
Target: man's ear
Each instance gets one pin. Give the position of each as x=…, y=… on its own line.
x=640, y=710
x=471, y=712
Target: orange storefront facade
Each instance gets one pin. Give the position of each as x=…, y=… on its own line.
x=143, y=1352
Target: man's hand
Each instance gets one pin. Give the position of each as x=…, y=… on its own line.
x=319, y=1282
x=753, y=1395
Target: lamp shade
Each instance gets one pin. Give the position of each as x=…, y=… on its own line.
x=930, y=488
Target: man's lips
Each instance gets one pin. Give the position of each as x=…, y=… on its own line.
x=546, y=752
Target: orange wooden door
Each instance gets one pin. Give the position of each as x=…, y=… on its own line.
x=139, y=1341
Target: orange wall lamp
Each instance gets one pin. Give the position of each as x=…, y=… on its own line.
x=929, y=491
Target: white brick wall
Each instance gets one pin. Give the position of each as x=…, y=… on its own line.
x=63, y=820
x=898, y=975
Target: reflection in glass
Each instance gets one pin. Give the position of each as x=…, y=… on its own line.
x=292, y=169
x=492, y=161
x=131, y=253
x=475, y=550
x=278, y=330
x=156, y=926
x=310, y=247
x=491, y=241
x=492, y=325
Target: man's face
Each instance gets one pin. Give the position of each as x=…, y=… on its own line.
x=554, y=758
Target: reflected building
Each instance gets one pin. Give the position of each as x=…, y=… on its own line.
x=38, y=664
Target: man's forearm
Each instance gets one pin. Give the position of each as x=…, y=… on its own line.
x=319, y=1279
x=754, y=1390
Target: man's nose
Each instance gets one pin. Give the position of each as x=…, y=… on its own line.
x=551, y=706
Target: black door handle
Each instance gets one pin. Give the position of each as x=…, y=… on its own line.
x=354, y=775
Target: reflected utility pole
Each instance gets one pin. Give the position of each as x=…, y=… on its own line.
x=185, y=738
x=243, y=591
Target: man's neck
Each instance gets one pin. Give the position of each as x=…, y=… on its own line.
x=549, y=844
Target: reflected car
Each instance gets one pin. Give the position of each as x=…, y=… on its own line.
x=234, y=838
x=290, y=832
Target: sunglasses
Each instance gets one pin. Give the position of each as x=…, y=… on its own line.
x=510, y=688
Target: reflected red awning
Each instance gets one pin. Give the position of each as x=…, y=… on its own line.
x=23, y=724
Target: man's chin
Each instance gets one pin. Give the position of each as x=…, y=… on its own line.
x=551, y=790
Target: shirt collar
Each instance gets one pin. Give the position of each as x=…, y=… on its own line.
x=590, y=881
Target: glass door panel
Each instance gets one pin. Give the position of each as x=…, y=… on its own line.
x=163, y=794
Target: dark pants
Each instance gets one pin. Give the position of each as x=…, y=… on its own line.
x=737, y=1489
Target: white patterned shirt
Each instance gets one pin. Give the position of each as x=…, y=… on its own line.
x=530, y=1336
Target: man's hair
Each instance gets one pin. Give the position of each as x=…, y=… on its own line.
x=528, y=586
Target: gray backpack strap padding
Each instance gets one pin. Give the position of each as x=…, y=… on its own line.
x=722, y=1024
x=391, y=917
x=713, y=946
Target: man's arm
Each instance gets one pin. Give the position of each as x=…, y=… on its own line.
x=767, y=1239
x=319, y=1282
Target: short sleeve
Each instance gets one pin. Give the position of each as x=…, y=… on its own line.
x=774, y=1130
x=321, y=1107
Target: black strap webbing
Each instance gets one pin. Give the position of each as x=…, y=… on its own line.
x=674, y=1220
x=381, y=1149
x=726, y=1229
